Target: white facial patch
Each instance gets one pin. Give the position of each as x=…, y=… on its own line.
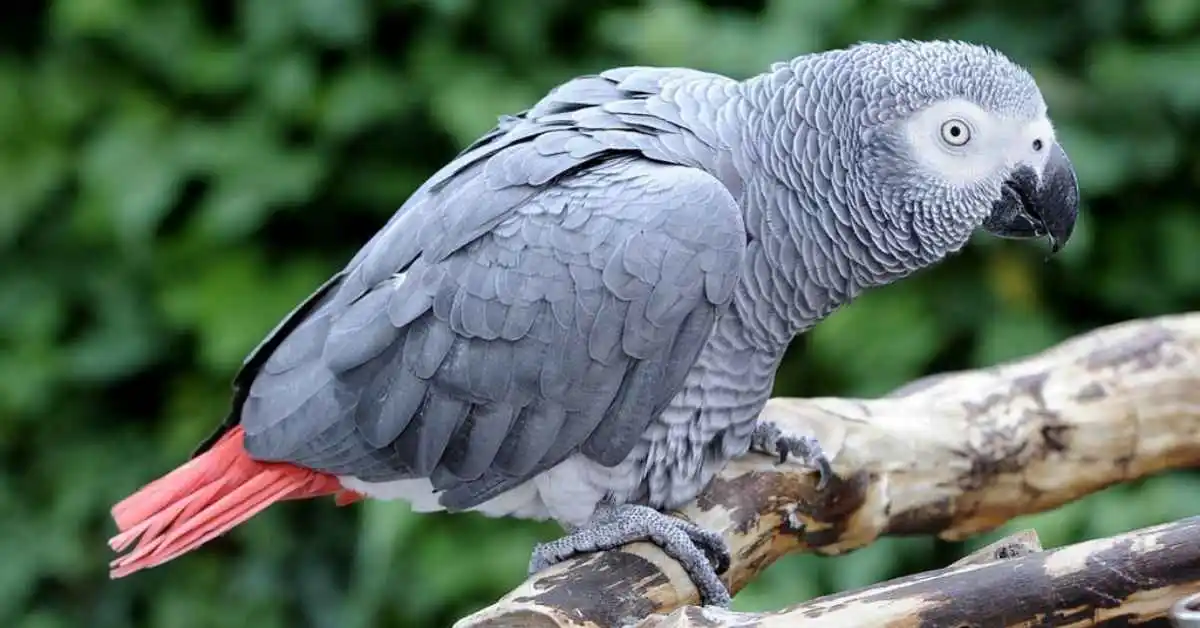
x=960, y=143
x=1035, y=148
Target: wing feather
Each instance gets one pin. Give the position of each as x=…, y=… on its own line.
x=544, y=294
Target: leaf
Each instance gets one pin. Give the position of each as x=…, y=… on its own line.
x=1143, y=72
x=290, y=84
x=1171, y=17
x=233, y=302
x=340, y=22
x=874, y=563
x=794, y=577
x=28, y=178
x=879, y=341
x=1177, y=230
x=122, y=338
x=1014, y=333
x=251, y=174
x=130, y=174
x=385, y=527
x=361, y=96
x=76, y=17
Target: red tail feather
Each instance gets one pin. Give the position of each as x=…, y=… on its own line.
x=205, y=498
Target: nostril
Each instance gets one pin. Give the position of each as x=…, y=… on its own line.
x=1037, y=144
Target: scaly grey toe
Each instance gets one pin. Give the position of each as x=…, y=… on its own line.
x=702, y=553
x=769, y=439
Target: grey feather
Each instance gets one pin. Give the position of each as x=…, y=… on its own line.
x=390, y=398
x=426, y=439
x=362, y=332
x=472, y=453
x=533, y=285
x=536, y=429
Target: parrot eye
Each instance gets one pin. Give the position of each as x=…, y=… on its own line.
x=955, y=132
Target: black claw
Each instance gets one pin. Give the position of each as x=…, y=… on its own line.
x=719, y=558
x=784, y=449
x=714, y=548
x=786, y=446
x=824, y=473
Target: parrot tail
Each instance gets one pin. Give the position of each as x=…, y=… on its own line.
x=205, y=498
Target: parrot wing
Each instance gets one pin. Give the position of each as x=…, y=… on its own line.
x=566, y=326
x=579, y=122
x=544, y=293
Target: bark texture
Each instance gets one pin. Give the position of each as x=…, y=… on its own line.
x=953, y=455
x=1126, y=580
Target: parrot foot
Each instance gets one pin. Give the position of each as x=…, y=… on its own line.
x=703, y=554
x=769, y=439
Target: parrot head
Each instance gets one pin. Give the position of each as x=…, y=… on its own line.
x=955, y=137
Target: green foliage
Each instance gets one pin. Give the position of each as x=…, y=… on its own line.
x=176, y=174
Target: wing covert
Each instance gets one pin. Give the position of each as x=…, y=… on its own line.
x=566, y=327
x=544, y=293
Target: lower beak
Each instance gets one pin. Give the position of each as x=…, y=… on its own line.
x=1031, y=206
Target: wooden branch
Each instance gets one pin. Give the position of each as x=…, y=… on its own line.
x=953, y=455
x=1125, y=580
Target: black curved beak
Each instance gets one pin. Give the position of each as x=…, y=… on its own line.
x=1032, y=207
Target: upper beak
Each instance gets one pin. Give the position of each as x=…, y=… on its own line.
x=1032, y=206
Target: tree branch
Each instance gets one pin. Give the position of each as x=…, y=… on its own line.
x=1124, y=580
x=953, y=455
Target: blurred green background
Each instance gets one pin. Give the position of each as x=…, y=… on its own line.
x=176, y=174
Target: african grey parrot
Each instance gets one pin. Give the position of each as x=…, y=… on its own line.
x=581, y=316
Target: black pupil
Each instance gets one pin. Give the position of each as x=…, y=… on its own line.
x=1037, y=144
x=955, y=130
